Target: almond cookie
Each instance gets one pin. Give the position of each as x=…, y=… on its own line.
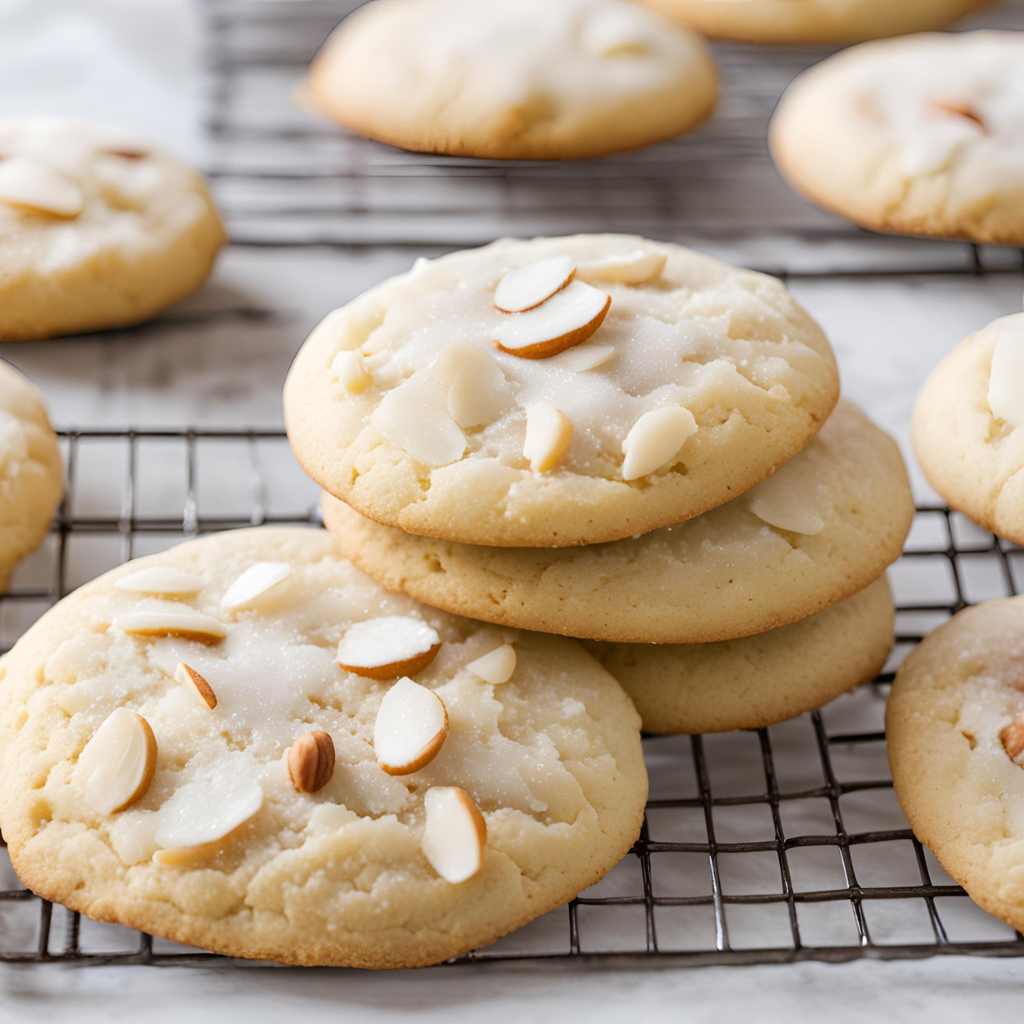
x=813, y=21
x=756, y=680
x=920, y=136
x=966, y=428
x=97, y=229
x=955, y=734
x=558, y=391
x=513, y=79
x=31, y=470
x=184, y=753
x=814, y=533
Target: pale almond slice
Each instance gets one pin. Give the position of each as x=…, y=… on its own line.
x=496, y=666
x=39, y=188
x=637, y=267
x=205, y=811
x=583, y=358
x=411, y=727
x=311, y=761
x=393, y=645
x=117, y=764
x=529, y=286
x=197, y=685
x=454, y=833
x=252, y=586
x=415, y=417
x=655, y=439
x=350, y=370
x=161, y=580
x=568, y=318
x=548, y=436
x=787, y=500
x=478, y=392
x=186, y=624
x=1006, y=377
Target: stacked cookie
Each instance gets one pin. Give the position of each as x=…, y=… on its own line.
x=620, y=441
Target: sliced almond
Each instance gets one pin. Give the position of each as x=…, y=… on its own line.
x=478, y=392
x=118, y=763
x=206, y=810
x=393, y=645
x=311, y=761
x=454, y=834
x=496, y=666
x=960, y=108
x=350, y=369
x=529, y=286
x=415, y=417
x=1012, y=738
x=637, y=267
x=411, y=727
x=39, y=188
x=568, y=318
x=583, y=358
x=251, y=587
x=187, y=624
x=161, y=580
x=655, y=439
x=787, y=499
x=197, y=685
x=548, y=436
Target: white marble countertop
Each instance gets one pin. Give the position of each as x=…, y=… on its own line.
x=125, y=60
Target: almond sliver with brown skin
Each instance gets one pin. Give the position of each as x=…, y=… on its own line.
x=196, y=684
x=118, y=763
x=454, y=834
x=568, y=318
x=389, y=646
x=527, y=287
x=410, y=729
x=173, y=622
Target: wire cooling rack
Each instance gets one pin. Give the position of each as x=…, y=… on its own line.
x=778, y=845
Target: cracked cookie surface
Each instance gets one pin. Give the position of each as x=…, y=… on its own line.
x=972, y=453
x=513, y=79
x=724, y=574
x=98, y=228
x=728, y=349
x=954, y=732
x=337, y=875
x=922, y=135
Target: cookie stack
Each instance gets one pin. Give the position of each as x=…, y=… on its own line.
x=621, y=441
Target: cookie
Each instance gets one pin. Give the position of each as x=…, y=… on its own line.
x=966, y=428
x=31, y=470
x=756, y=680
x=816, y=532
x=513, y=79
x=955, y=734
x=812, y=21
x=646, y=385
x=183, y=753
x=98, y=229
x=919, y=136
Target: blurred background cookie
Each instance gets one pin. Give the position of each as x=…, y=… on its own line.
x=966, y=427
x=31, y=470
x=513, y=79
x=922, y=135
x=98, y=229
x=813, y=21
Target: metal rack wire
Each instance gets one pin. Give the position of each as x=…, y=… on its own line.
x=779, y=845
